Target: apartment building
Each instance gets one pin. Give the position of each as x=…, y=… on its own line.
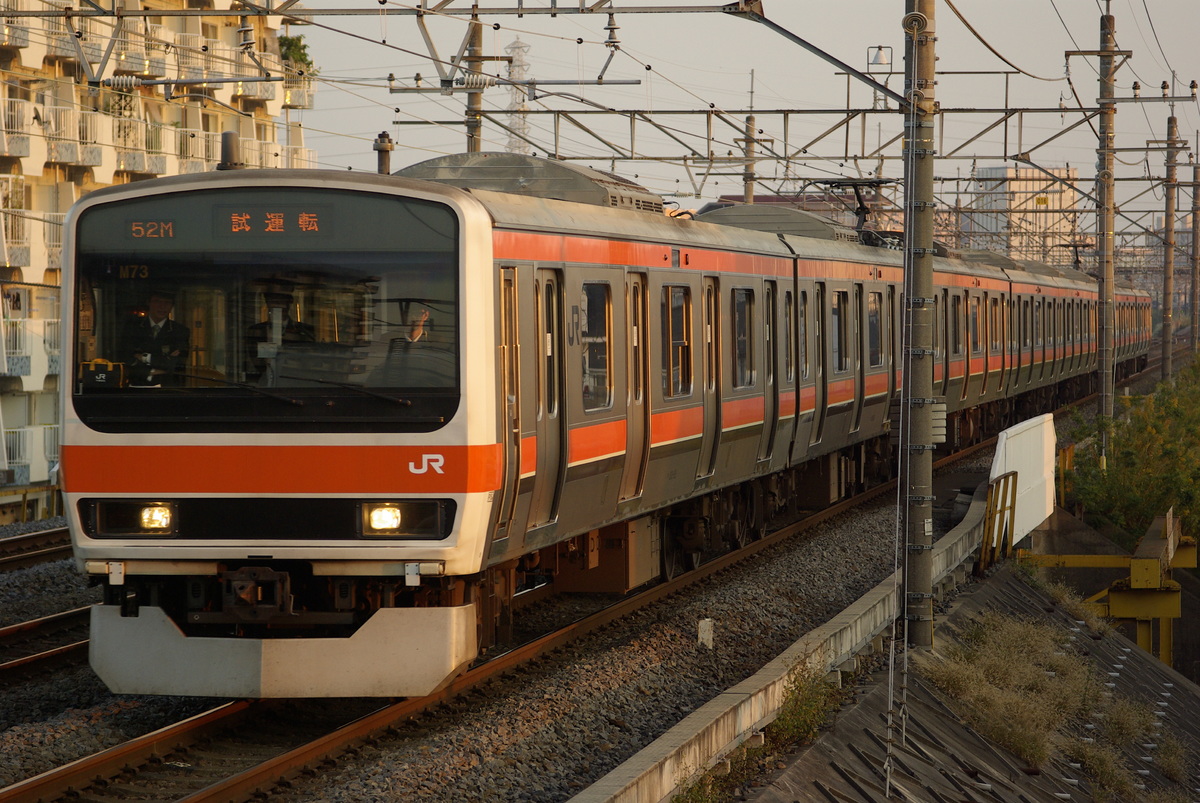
x=81, y=107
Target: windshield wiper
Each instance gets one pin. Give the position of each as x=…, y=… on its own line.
x=253, y=388
x=348, y=386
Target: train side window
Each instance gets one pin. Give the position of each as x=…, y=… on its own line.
x=956, y=325
x=995, y=328
x=789, y=336
x=973, y=326
x=770, y=321
x=743, y=346
x=549, y=319
x=939, y=327
x=803, y=332
x=677, y=341
x=594, y=338
x=839, y=311
x=635, y=341
x=875, y=329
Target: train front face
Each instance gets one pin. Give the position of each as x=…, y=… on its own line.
x=283, y=485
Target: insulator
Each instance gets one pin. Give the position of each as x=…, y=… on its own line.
x=123, y=82
x=478, y=81
x=612, y=29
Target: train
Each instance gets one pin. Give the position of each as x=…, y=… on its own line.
x=391, y=410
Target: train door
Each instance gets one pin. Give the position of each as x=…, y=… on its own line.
x=857, y=333
x=548, y=478
x=816, y=320
x=710, y=388
x=510, y=358
x=637, y=438
x=766, y=446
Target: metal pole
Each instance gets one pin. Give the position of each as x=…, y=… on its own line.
x=383, y=147
x=1104, y=228
x=1168, y=301
x=919, y=64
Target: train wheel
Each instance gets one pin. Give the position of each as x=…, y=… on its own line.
x=676, y=560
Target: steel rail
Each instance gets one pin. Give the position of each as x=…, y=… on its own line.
x=259, y=780
x=83, y=772
x=65, y=653
x=19, y=552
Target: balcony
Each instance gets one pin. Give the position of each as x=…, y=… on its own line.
x=61, y=43
x=15, y=115
x=246, y=68
x=139, y=146
x=199, y=151
x=298, y=90
x=189, y=56
x=72, y=135
x=296, y=158
x=15, y=228
x=129, y=52
x=52, y=233
x=159, y=40
x=31, y=452
x=53, y=345
x=260, y=154
x=17, y=359
x=14, y=32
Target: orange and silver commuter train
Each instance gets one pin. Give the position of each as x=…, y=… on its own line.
x=388, y=406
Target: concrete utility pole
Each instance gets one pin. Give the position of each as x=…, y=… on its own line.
x=749, y=176
x=917, y=474
x=1168, y=302
x=1195, y=294
x=474, y=65
x=1105, y=226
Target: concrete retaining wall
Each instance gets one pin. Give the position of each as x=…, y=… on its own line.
x=712, y=731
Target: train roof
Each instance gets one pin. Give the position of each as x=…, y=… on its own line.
x=777, y=220
x=519, y=174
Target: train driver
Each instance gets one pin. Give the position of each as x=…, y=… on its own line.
x=264, y=339
x=154, y=346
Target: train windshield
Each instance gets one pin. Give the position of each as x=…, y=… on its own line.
x=276, y=309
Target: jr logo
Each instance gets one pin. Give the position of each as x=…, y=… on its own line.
x=428, y=461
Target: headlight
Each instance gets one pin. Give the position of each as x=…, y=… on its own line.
x=384, y=518
x=156, y=517
x=411, y=518
x=120, y=518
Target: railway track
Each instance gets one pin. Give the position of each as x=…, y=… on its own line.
x=208, y=757
x=32, y=648
x=30, y=549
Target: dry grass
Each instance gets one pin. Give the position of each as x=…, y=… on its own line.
x=1020, y=684
x=1172, y=758
x=1081, y=611
x=1020, y=704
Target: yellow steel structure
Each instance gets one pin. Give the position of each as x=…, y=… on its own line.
x=1149, y=593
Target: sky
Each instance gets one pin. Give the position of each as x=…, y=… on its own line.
x=696, y=61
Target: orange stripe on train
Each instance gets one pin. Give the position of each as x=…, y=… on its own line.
x=153, y=470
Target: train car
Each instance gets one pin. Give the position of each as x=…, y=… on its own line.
x=325, y=431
